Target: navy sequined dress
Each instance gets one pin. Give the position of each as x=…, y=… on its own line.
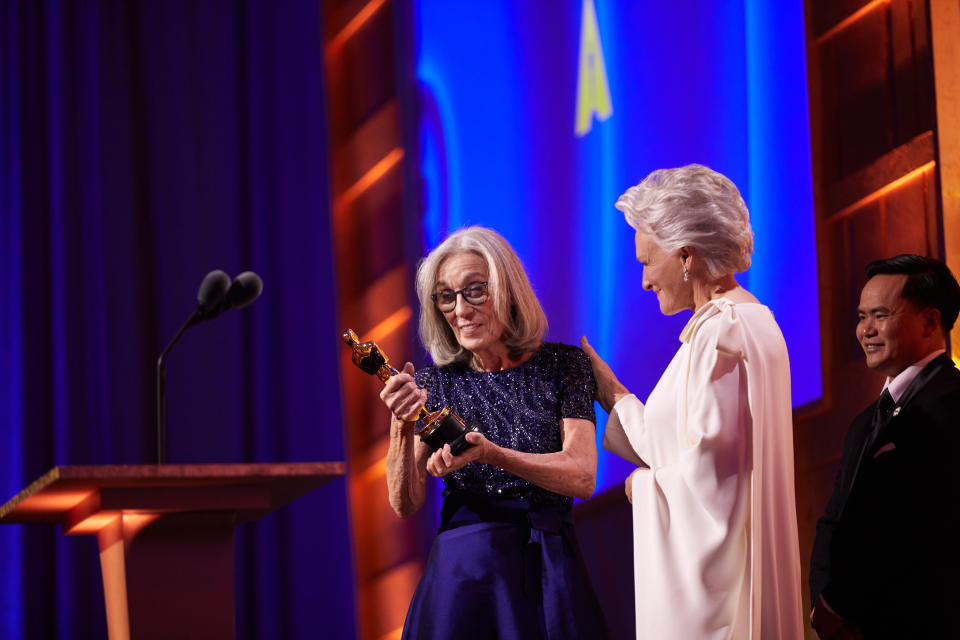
x=506, y=562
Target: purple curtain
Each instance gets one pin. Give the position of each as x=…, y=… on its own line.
x=143, y=144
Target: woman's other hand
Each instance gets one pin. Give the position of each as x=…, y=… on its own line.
x=442, y=461
x=402, y=395
x=609, y=389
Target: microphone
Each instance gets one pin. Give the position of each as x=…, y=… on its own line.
x=222, y=295
x=214, y=286
x=245, y=289
x=216, y=295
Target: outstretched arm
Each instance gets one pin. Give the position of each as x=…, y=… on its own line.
x=609, y=389
x=609, y=393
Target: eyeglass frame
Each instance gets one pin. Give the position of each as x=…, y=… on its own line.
x=486, y=295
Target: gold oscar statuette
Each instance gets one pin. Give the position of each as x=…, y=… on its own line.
x=439, y=427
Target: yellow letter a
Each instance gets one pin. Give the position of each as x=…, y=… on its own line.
x=593, y=93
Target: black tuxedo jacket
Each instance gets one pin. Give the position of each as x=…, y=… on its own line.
x=887, y=551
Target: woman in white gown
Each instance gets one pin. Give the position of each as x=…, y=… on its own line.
x=716, y=552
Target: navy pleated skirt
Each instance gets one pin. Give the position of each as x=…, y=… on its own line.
x=498, y=569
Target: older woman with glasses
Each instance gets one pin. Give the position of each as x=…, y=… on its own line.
x=716, y=552
x=505, y=563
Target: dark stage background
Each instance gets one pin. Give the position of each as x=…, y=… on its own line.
x=143, y=144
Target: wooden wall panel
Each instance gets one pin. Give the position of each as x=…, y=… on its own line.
x=945, y=32
x=876, y=82
x=825, y=16
x=856, y=106
x=874, y=138
x=360, y=69
x=375, y=293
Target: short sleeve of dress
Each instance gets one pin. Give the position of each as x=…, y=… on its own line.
x=577, y=386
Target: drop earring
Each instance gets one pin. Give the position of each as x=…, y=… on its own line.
x=686, y=275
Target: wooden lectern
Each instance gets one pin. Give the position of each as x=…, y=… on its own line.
x=165, y=534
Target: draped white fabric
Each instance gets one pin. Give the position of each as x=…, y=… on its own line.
x=716, y=552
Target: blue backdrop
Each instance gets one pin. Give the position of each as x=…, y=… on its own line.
x=142, y=145
x=719, y=83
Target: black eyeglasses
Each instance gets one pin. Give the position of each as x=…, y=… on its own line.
x=475, y=293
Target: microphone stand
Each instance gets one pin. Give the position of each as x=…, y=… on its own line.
x=162, y=390
x=217, y=294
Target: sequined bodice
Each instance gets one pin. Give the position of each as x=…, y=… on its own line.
x=518, y=408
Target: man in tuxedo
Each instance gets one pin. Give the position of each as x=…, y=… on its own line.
x=886, y=558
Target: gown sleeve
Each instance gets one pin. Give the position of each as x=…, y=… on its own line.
x=713, y=422
x=712, y=429
x=577, y=386
x=615, y=438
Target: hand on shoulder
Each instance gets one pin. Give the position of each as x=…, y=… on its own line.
x=609, y=389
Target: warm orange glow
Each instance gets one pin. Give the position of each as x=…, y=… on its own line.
x=367, y=180
x=391, y=591
x=393, y=635
x=884, y=190
x=55, y=502
x=91, y=524
x=944, y=26
x=371, y=474
x=849, y=20
x=390, y=324
x=352, y=27
x=133, y=523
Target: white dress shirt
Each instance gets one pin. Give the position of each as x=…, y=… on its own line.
x=899, y=384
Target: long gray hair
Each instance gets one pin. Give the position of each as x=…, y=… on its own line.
x=514, y=302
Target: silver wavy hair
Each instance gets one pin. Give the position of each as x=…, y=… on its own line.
x=693, y=206
x=514, y=302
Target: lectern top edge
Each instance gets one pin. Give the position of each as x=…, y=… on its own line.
x=49, y=497
x=213, y=471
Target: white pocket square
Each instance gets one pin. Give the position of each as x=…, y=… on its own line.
x=887, y=447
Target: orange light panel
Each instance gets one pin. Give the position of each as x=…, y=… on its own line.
x=884, y=190
x=849, y=20
x=368, y=11
x=370, y=475
x=396, y=634
x=367, y=180
x=389, y=324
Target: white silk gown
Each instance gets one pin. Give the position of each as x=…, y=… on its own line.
x=716, y=552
